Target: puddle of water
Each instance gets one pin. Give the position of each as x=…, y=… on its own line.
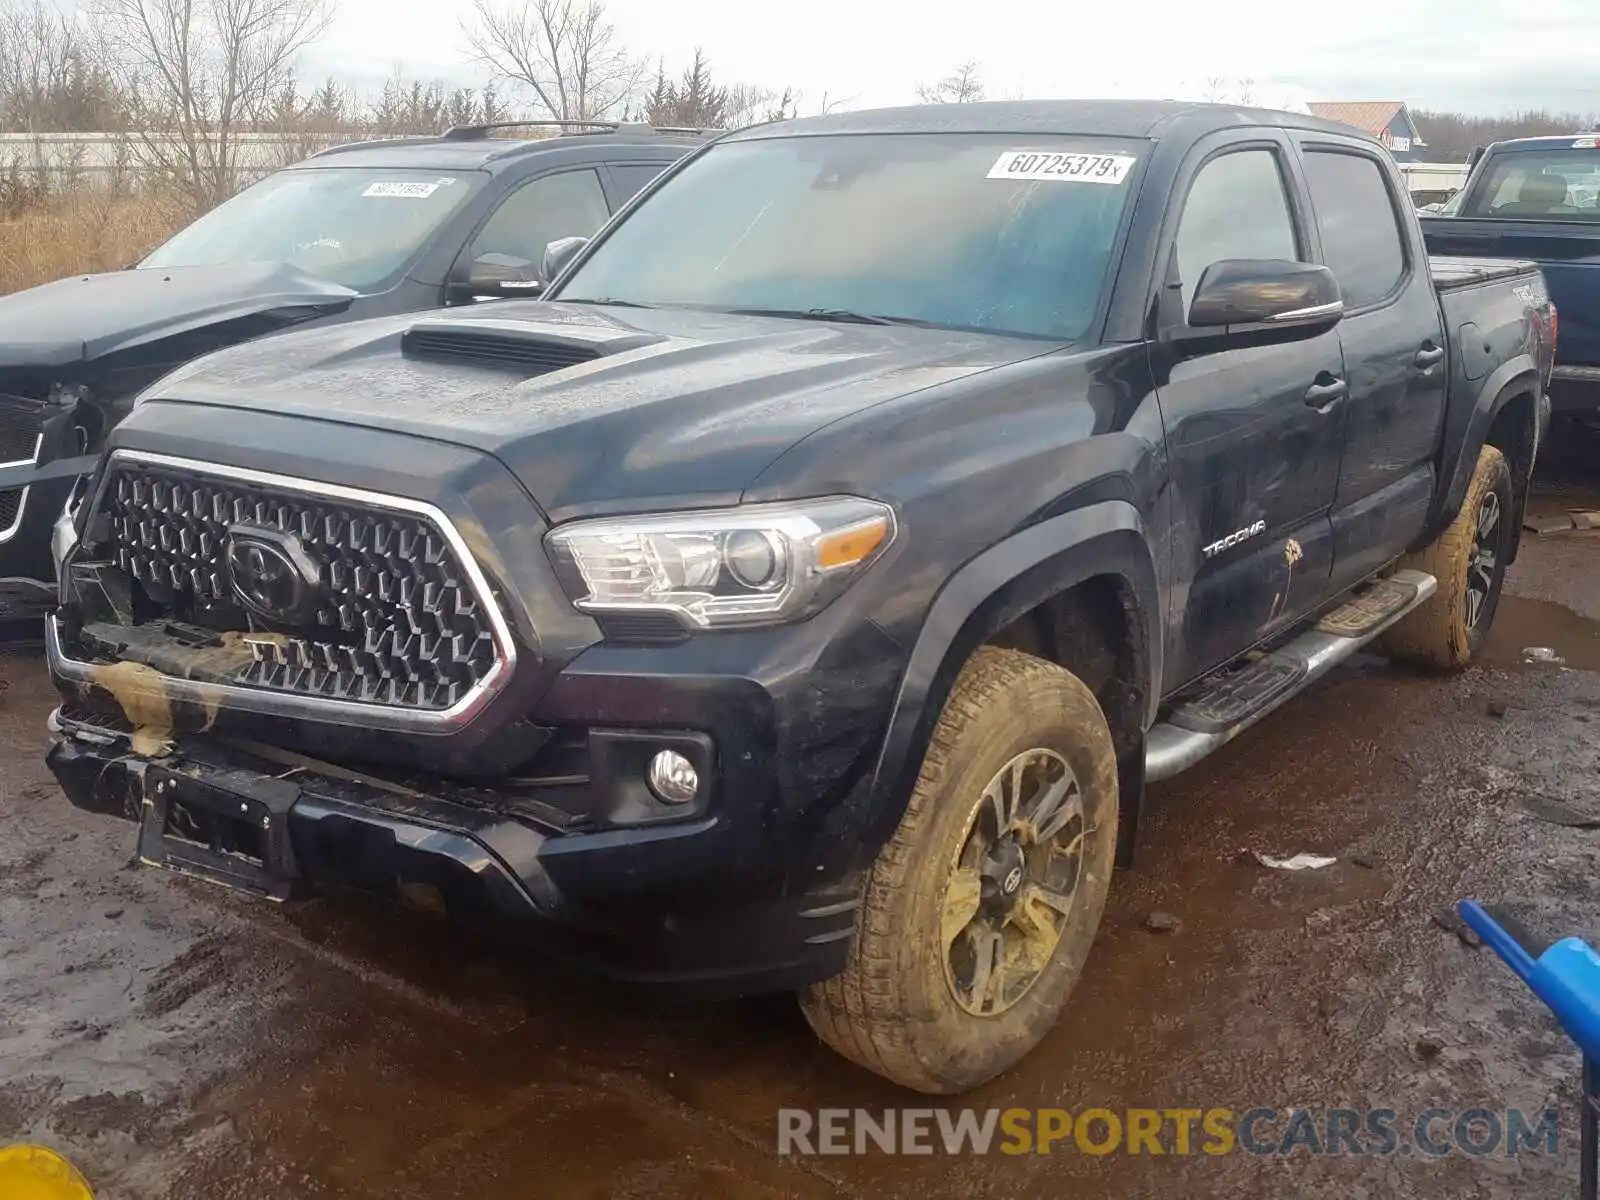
x=1520, y=623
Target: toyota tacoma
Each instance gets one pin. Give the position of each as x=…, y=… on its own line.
x=802, y=595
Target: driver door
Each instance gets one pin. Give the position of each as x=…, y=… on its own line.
x=1254, y=431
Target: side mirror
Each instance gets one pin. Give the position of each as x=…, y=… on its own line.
x=498, y=275
x=1272, y=292
x=561, y=252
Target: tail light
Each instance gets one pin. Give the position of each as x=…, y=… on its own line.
x=1555, y=327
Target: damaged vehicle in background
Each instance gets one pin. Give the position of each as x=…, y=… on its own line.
x=356, y=231
x=803, y=595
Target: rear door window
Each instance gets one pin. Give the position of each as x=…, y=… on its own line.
x=631, y=178
x=1361, y=241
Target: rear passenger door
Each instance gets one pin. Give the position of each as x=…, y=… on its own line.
x=1393, y=340
x=1254, y=428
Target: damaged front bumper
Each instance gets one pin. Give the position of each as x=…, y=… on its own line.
x=268, y=822
x=279, y=825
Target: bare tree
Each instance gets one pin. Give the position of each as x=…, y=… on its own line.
x=565, y=51
x=198, y=74
x=961, y=87
x=749, y=103
x=47, y=81
x=1451, y=137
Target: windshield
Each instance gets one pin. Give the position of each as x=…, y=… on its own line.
x=988, y=232
x=1558, y=184
x=352, y=226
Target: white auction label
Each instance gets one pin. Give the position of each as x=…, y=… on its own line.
x=1062, y=167
x=402, y=191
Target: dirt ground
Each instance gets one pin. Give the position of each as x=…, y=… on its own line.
x=176, y=1041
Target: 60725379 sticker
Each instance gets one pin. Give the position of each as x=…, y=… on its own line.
x=1062, y=167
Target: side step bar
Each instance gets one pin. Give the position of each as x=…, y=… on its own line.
x=1229, y=703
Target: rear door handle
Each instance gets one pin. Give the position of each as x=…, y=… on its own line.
x=1429, y=356
x=1323, y=396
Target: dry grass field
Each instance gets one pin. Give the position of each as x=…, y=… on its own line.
x=82, y=232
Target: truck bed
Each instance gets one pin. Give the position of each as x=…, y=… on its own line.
x=1451, y=272
x=1569, y=254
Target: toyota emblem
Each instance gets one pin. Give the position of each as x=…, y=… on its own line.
x=272, y=574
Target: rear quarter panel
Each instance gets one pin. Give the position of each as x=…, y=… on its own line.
x=1499, y=343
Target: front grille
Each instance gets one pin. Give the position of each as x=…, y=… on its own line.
x=10, y=508
x=20, y=422
x=395, y=621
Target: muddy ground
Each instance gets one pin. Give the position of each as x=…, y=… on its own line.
x=178, y=1042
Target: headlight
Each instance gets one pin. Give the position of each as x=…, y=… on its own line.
x=754, y=565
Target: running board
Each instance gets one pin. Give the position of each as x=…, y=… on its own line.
x=1229, y=704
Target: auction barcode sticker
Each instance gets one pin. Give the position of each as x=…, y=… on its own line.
x=1068, y=168
x=402, y=191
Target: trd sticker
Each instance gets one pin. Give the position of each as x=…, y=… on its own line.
x=1062, y=168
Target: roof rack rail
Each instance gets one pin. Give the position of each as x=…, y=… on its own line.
x=470, y=133
x=373, y=143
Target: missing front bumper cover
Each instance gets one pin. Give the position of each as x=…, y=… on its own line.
x=225, y=815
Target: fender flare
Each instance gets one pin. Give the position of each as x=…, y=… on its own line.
x=991, y=591
x=1513, y=377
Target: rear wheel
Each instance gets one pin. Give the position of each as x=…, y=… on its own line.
x=981, y=908
x=1469, y=561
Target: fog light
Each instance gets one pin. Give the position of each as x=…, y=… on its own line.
x=672, y=778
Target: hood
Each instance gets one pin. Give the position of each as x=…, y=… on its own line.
x=597, y=407
x=90, y=316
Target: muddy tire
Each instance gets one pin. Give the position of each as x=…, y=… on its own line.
x=1469, y=561
x=979, y=911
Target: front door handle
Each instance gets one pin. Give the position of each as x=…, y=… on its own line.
x=1429, y=356
x=1323, y=396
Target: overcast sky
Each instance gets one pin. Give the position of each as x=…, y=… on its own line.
x=1484, y=56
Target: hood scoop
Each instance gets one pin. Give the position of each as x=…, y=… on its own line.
x=513, y=346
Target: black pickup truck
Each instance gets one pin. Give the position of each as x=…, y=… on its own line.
x=803, y=595
x=365, y=230
x=1538, y=199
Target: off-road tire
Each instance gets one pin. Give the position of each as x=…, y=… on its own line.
x=1437, y=634
x=892, y=1010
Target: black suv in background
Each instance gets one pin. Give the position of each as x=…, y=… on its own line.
x=364, y=230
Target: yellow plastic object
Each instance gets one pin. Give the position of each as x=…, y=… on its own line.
x=34, y=1173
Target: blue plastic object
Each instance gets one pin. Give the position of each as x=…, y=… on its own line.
x=1566, y=976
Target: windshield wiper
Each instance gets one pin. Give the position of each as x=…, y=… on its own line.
x=842, y=316
x=607, y=300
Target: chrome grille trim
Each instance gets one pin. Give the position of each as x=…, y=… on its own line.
x=267, y=702
x=11, y=530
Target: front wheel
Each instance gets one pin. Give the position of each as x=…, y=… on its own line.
x=980, y=910
x=1469, y=561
